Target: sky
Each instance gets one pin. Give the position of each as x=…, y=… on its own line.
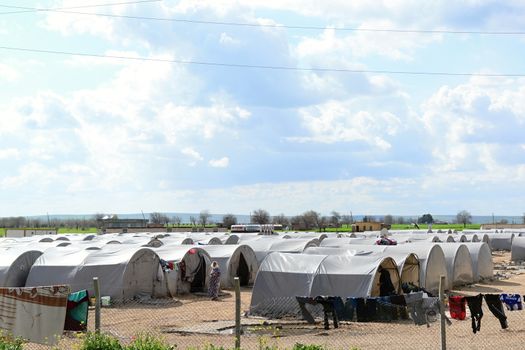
x=119, y=114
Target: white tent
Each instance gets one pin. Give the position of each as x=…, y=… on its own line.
x=518, y=249
x=482, y=265
x=192, y=268
x=234, y=261
x=501, y=240
x=407, y=263
x=343, y=241
x=459, y=264
x=431, y=261
x=263, y=247
x=283, y=276
x=15, y=264
x=124, y=271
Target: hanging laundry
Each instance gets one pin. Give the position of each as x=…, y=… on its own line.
x=457, y=307
x=77, y=311
x=360, y=309
x=371, y=309
x=476, y=312
x=414, y=303
x=399, y=301
x=496, y=307
x=350, y=309
x=512, y=301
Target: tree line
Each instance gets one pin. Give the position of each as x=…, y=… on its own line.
x=306, y=221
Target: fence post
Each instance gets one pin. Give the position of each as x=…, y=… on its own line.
x=237, y=284
x=442, y=312
x=96, y=286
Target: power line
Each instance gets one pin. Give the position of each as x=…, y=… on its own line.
x=34, y=9
x=267, y=67
x=262, y=25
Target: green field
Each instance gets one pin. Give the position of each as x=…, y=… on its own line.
x=435, y=227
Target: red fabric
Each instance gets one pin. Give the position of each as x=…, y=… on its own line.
x=457, y=307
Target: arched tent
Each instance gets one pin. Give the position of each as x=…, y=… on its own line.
x=482, y=264
x=192, y=268
x=471, y=237
x=230, y=239
x=234, y=261
x=209, y=241
x=264, y=247
x=57, y=265
x=501, y=240
x=407, y=263
x=518, y=249
x=432, y=264
x=459, y=264
x=15, y=264
x=413, y=238
x=304, y=235
x=284, y=276
x=342, y=242
x=178, y=240
x=124, y=272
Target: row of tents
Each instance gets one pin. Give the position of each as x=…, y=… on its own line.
x=302, y=263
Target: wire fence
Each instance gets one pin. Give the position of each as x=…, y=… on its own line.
x=196, y=322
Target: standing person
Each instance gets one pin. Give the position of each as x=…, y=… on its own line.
x=386, y=287
x=215, y=281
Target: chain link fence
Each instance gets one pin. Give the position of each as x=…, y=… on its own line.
x=196, y=322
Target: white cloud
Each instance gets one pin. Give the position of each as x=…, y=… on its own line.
x=220, y=163
x=336, y=121
x=192, y=154
x=477, y=125
x=228, y=40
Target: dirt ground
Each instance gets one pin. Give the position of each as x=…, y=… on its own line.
x=194, y=321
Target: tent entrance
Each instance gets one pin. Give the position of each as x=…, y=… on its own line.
x=243, y=271
x=199, y=280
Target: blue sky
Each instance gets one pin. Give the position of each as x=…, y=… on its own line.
x=84, y=134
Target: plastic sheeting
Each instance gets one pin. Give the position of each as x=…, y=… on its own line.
x=482, y=265
x=459, y=264
x=407, y=263
x=263, y=247
x=15, y=265
x=518, y=249
x=501, y=240
x=123, y=271
x=234, y=261
x=284, y=276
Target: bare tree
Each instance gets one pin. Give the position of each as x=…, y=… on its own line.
x=346, y=220
x=228, y=220
x=388, y=219
x=281, y=219
x=176, y=220
x=400, y=220
x=204, y=217
x=158, y=218
x=464, y=217
x=193, y=220
x=335, y=219
x=261, y=217
x=311, y=219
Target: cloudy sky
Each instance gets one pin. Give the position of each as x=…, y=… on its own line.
x=327, y=125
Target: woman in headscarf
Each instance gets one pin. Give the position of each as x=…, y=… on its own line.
x=215, y=281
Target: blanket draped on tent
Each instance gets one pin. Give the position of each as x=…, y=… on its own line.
x=77, y=311
x=36, y=314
